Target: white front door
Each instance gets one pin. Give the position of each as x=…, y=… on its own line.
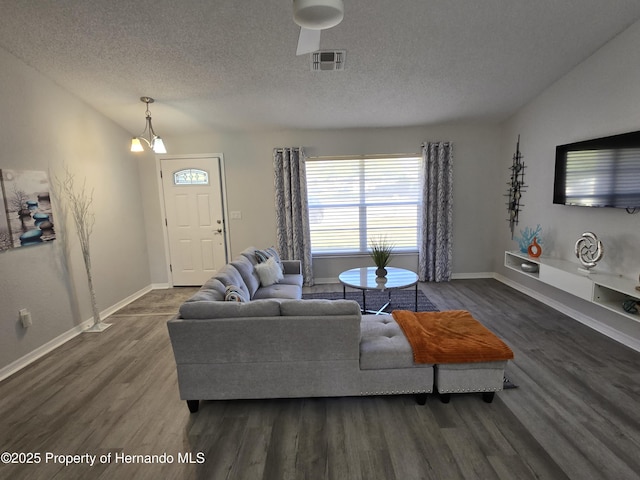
x=192, y=190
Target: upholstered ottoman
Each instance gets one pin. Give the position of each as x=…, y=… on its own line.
x=386, y=361
x=485, y=377
x=467, y=356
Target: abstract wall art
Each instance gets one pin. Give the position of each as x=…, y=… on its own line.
x=516, y=188
x=26, y=217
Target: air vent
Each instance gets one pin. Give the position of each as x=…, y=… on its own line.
x=328, y=60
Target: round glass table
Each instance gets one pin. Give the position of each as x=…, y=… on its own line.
x=365, y=279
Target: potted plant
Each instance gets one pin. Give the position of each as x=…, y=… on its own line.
x=381, y=251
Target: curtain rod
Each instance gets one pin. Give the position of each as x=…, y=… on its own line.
x=358, y=157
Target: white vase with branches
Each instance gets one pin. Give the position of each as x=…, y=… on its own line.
x=79, y=200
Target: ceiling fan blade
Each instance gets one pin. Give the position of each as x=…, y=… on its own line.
x=308, y=41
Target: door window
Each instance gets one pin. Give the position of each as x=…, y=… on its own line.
x=191, y=176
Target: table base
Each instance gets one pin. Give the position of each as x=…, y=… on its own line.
x=381, y=310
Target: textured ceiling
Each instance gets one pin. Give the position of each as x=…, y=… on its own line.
x=231, y=64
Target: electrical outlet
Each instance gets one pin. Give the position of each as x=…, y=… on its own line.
x=25, y=317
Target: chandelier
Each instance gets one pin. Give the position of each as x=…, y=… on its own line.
x=149, y=136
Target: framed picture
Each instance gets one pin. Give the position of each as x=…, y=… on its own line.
x=27, y=216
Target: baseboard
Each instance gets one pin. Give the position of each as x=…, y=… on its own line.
x=591, y=322
x=325, y=281
x=470, y=276
x=123, y=303
x=42, y=350
x=51, y=345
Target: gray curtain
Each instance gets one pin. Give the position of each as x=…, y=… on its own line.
x=434, y=258
x=292, y=209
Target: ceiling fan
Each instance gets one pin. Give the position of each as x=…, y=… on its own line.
x=313, y=16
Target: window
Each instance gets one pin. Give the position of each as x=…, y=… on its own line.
x=191, y=176
x=352, y=201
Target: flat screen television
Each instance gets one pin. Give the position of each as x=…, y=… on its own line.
x=602, y=172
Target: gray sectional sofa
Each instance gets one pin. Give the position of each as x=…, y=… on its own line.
x=277, y=345
x=241, y=272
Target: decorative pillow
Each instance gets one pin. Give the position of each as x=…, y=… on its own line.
x=274, y=253
x=263, y=255
x=269, y=272
x=234, y=294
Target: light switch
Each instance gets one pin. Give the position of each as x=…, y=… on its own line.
x=25, y=318
x=236, y=215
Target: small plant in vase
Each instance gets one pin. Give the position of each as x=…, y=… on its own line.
x=381, y=251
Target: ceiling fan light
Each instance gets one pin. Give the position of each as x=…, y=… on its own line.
x=318, y=14
x=136, y=146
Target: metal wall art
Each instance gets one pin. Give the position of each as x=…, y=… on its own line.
x=516, y=188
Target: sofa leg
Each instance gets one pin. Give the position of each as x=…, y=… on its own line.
x=488, y=396
x=193, y=405
x=421, y=398
x=445, y=397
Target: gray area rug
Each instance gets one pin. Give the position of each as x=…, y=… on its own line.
x=400, y=299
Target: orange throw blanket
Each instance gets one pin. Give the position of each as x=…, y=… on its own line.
x=452, y=336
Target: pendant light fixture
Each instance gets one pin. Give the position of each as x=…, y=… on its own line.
x=151, y=139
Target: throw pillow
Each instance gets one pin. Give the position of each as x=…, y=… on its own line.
x=274, y=253
x=263, y=255
x=269, y=272
x=234, y=294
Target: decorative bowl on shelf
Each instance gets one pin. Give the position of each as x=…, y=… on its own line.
x=530, y=267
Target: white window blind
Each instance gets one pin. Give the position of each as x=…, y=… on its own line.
x=354, y=201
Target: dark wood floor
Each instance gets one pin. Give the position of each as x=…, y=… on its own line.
x=575, y=414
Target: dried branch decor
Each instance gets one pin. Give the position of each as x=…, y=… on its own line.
x=79, y=200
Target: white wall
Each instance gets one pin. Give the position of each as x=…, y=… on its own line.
x=43, y=127
x=250, y=190
x=597, y=98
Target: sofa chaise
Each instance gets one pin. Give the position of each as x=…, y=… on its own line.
x=292, y=348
